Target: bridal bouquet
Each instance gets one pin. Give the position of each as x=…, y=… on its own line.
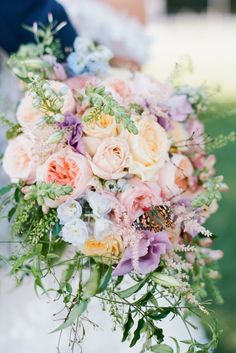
x=111, y=183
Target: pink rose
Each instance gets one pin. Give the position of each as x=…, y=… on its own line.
x=66, y=168
x=28, y=116
x=19, y=162
x=111, y=160
x=174, y=175
x=120, y=88
x=139, y=197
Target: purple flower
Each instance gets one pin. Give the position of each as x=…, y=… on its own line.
x=150, y=249
x=180, y=107
x=75, y=137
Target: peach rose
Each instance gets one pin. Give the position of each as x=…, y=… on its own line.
x=28, y=116
x=19, y=162
x=111, y=246
x=111, y=159
x=104, y=126
x=66, y=168
x=139, y=197
x=174, y=175
x=179, y=135
x=149, y=149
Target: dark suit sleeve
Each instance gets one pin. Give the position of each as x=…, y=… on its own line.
x=14, y=13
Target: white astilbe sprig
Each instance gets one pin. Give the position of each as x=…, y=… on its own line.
x=190, y=219
x=131, y=238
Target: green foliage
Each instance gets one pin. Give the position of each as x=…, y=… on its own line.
x=29, y=58
x=213, y=188
x=41, y=191
x=14, y=129
x=76, y=311
x=45, y=98
x=102, y=102
x=220, y=141
x=41, y=224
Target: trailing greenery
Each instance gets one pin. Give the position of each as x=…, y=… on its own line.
x=41, y=191
x=102, y=102
x=30, y=57
x=213, y=188
x=45, y=98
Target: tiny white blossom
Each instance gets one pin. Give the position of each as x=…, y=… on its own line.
x=75, y=232
x=100, y=204
x=68, y=211
x=102, y=227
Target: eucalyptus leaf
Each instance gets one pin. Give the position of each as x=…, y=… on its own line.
x=162, y=348
x=105, y=280
x=127, y=326
x=131, y=290
x=75, y=313
x=137, y=332
x=5, y=189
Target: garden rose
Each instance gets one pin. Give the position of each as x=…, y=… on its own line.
x=111, y=246
x=105, y=126
x=111, y=159
x=66, y=168
x=28, y=116
x=19, y=162
x=75, y=232
x=174, y=175
x=139, y=197
x=179, y=135
x=69, y=210
x=148, y=149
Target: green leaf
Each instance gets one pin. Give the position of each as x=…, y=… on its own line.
x=144, y=299
x=105, y=280
x=5, y=189
x=68, y=288
x=127, y=326
x=132, y=290
x=91, y=286
x=160, y=313
x=137, y=332
x=177, y=344
x=75, y=313
x=161, y=348
x=11, y=213
x=56, y=230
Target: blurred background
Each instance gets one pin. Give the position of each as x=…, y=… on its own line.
x=200, y=36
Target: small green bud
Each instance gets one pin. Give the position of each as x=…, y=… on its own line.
x=56, y=137
x=59, y=118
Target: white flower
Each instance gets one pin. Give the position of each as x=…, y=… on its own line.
x=68, y=211
x=102, y=227
x=99, y=204
x=75, y=232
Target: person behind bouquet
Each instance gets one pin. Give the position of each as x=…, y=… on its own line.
x=15, y=13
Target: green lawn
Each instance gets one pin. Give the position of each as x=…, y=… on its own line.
x=221, y=118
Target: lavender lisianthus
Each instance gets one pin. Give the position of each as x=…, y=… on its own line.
x=150, y=249
x=75, y=137
x=180, y=107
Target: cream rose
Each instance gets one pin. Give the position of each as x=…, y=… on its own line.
x=174, y=175
x=105, y=126
x=66, y=168
x=28, y=116
x=148, y=149
x=19, y=162
x=111, y=160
